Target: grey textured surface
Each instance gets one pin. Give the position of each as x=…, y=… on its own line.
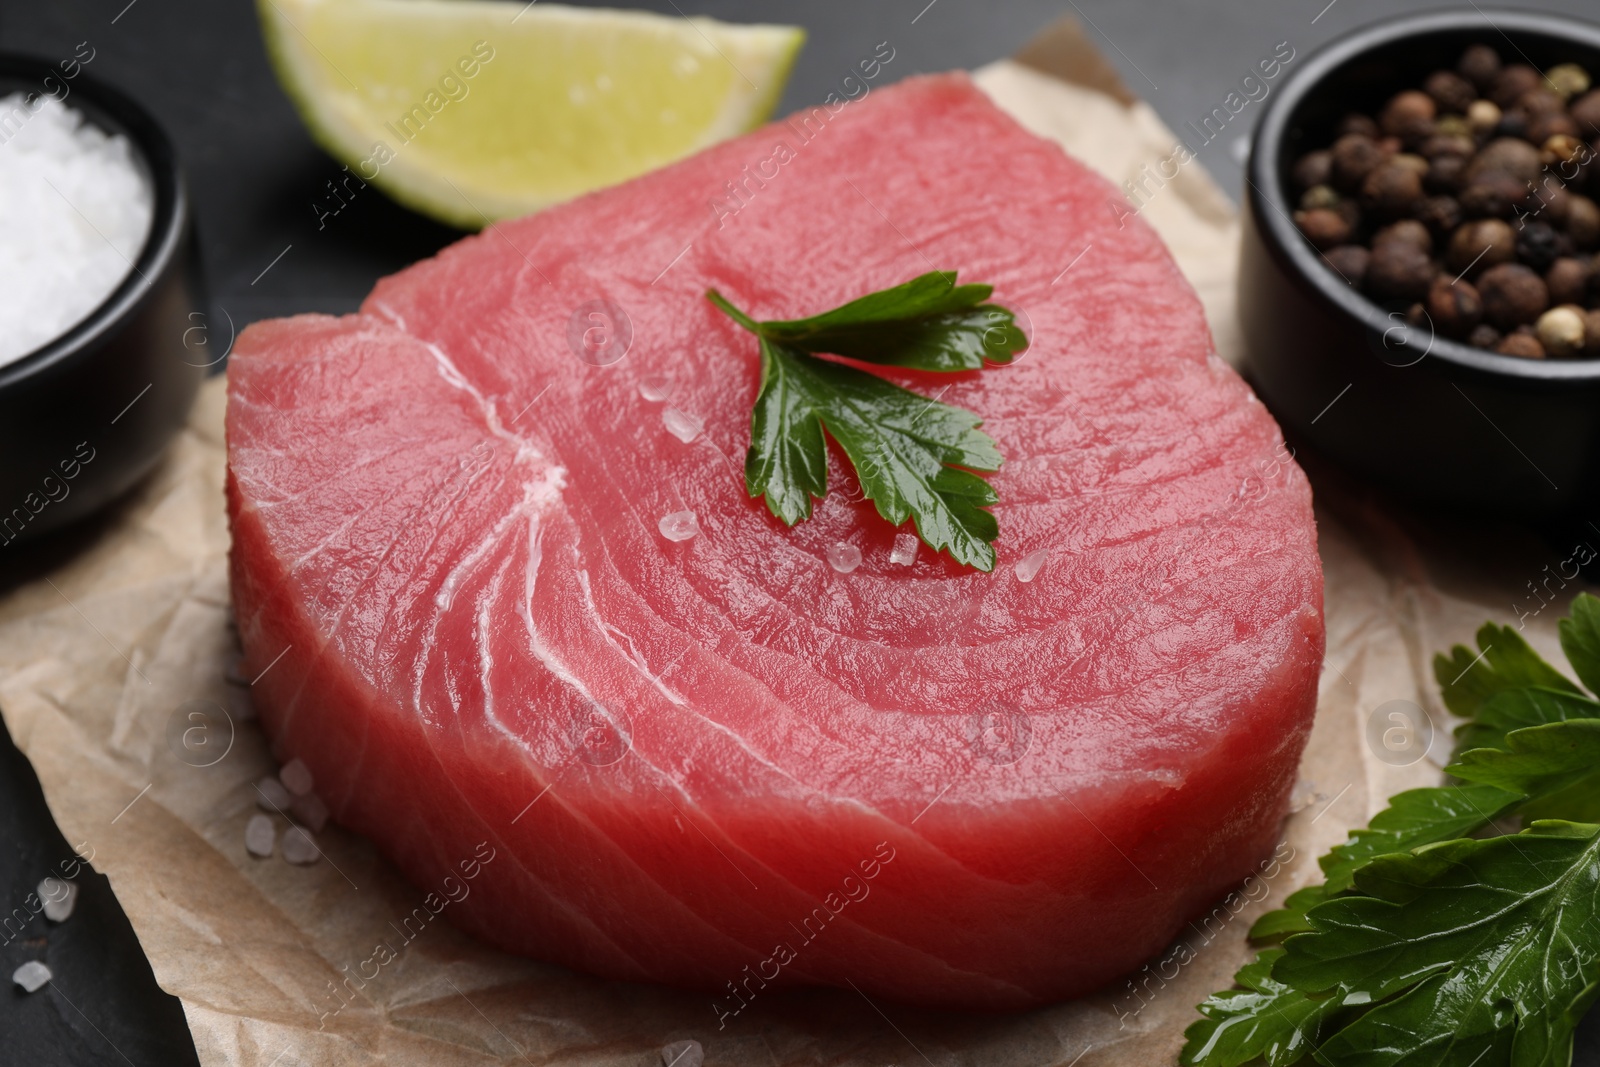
x=199, y=65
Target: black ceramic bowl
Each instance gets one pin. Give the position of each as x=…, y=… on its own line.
x=87, y=415
x=1431, y=418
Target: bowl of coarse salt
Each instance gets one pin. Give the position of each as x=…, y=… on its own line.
x=102, y=324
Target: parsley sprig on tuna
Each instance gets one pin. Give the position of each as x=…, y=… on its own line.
x=915, y=457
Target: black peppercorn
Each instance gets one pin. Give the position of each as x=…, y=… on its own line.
x=1520, y=344
x=1392, y=189
x=1445, y=174
x=1543, y=127
x=1443, y=144
x=1313, y=169
x=1512, y=82
x=1361, y=125
x=1492, y=196
x=1450, y=91
x=1350, y=263
x=1479, y=65
x=1483, y=336
x=1568, y=281
x=1322, y=227
x=1512, y=295
x=1585, y=111
x=1408, y=115
x=1406, y=231
x=1481, y=244
x=1441, y=214
x=1581, y=218
x=1454, y=306
x=1512, y=124
x=1354, y=157
x=1538, y=245
x=1399, y=271
x=1591, y=334
x=1509, y=156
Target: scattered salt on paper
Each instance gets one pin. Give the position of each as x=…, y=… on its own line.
x=60, y=897
x=299, y=848
x=679, y=526
x=682, y=425
x=272, y=796
x=683, y=1054
x=905, y=549
x=77, y=213
x=296, y=777
x=260, y=835
x=844, y=558
x=1029, y=565
x=31, y=976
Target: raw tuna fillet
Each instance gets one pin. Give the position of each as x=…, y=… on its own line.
x=720, y=761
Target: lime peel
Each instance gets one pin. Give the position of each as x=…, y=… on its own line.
x=475, y=110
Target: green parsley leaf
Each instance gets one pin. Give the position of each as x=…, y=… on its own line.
x=1491, y=942
x=902, y=446
x=1279, y=923
x=1531, y=747
x=1557, y=765
x=928, y=323
x=916, y=458
x=1414, y=818
x=1504, y=661
x=1518, y=709
x=1580, y=639
x=1265, y=1020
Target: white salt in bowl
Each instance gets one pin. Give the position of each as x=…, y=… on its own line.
x=88, y=412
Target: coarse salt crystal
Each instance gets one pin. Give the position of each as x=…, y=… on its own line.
x=679, y=526
x=310, y=812
x=260, y=835
x=683, y=426
x=60, y=897
x=683, y=1054
x=844, y=558
x=298, y=847
x=272, y=796
x=905, y=549
x=77, y=214
x=1029, y=565
x=655, y=388
x=296, y=777
x=31, y=976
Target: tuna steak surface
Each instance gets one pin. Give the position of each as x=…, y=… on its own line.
x=718, y=760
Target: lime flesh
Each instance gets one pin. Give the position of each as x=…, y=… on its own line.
x=476, y=110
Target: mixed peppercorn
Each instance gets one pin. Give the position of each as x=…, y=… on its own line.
x=1467, y=203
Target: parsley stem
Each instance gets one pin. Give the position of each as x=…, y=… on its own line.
x=732, y=312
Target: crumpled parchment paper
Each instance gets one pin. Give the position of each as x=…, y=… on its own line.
x=106, y=657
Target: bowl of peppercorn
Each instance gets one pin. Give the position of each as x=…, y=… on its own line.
x=1419, y=284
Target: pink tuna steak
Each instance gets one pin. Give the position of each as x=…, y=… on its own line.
x=717, y=760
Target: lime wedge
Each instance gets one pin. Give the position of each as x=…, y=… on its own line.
x=476, y=110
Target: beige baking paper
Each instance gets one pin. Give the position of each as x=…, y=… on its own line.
x=99, y=655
